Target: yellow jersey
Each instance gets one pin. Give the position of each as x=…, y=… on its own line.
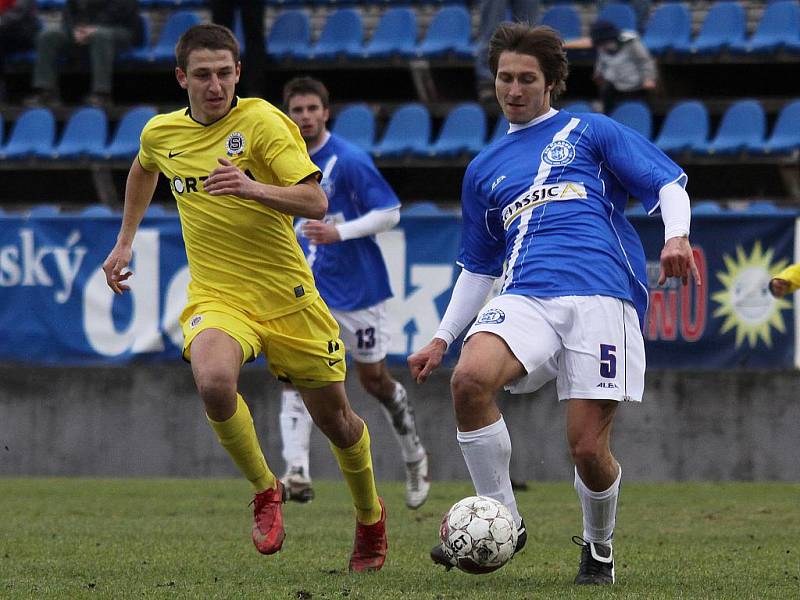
x=239, y=251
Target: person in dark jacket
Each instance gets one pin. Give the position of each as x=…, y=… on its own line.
x=104, y=27
x=18, y=27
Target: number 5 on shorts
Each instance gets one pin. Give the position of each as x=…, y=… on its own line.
x=608, y=361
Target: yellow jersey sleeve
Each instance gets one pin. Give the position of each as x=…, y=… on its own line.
x=145, y=156
x=283, y=149
x=792, y=275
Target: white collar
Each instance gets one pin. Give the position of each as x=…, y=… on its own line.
x=512, y=127
x=326, y=135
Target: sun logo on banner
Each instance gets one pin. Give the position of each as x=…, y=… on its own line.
x=746, y=302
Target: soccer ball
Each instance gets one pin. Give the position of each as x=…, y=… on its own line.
x=479, y=534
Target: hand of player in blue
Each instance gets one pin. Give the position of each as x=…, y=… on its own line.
x=320, y=232
x=677, y=260
x=118, y=260
x=425, y=360
x=229, y=179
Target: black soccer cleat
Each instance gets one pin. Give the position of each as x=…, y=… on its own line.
x=597, y=563
x=440, y=556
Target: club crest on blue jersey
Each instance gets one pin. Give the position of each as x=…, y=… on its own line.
x=234, y=145
x=558, y=153
x=493, y=316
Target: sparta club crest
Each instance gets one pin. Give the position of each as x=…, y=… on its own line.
x=491, y=316
x=558, y=153
x=234, y=145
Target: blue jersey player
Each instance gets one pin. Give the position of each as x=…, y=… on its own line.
x=543, y=209
x=351, y=277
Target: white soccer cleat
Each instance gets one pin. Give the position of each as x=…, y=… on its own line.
x=297, y=486
x=418, y=485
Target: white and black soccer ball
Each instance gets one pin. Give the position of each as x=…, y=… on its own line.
x=479, y=534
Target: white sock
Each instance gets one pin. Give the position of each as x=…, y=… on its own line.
x=401, y=416
x=599, y=510
x=296, y=424
x=487, y=452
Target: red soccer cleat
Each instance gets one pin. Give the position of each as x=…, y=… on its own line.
x=369, y=548
x=268, y=533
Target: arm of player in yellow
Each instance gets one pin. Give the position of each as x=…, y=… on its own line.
x=792, y=275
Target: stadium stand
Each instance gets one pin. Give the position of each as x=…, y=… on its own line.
x=420, y=53
x=620, y=14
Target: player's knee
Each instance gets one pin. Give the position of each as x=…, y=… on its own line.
x=469, y=387
x=586, y=451
x=216, y=388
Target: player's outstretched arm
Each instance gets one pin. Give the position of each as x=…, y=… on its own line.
x=425, y=360
x=785, y=282
x=677, y=260
x=304, y=199
x=138, y=192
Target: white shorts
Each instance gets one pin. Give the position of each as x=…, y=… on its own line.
x=592, y=345
x=365, y=332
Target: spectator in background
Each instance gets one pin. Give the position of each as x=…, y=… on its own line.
x=251, y=12
x=18, y=27
x=624, y=68
x=492, y=13
x=104, y=27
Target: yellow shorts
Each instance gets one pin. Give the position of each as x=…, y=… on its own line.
x=302, y=347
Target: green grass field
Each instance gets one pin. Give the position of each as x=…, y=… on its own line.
x=80, y=538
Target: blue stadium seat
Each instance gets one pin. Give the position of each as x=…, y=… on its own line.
x=408, y=132
x=449, y=32
x=97, y=210
x=724, y=26
x=32, y=134
x=84, y=134
x=395, y=34
x=356, y=123
x=290, y=35
x=125, y=142
x=685, y=126
x=156, y=210
x=564, y=18
x=743, y=127
x=342, y=35
x=621, y=15
x=44, y=211
x=164, y=50
x=578, y=107
x=779, y=28
x=706, y=207
x=463, y=132
x=635, y=210
x=785, y=137
x=636, y=115
x=500, y=129
x=669, y=28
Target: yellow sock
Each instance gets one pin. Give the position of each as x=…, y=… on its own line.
x=238, y=436
x=356, y=465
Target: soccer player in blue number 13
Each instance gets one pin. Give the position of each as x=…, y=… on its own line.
x=547, y=202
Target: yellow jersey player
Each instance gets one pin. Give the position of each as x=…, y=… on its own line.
x=785, y=282
x=239, y=171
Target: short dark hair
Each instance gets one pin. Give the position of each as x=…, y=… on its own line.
x=300, y=86
x=541, y=42
x=209, y=36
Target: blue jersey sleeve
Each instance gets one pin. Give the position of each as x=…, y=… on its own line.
x=367, y=184
x=482, y=241
x=640, y=166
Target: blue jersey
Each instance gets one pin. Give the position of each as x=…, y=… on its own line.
x=350, y=275
x=548, y=202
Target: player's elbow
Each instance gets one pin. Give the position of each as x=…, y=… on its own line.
x=318, y=208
